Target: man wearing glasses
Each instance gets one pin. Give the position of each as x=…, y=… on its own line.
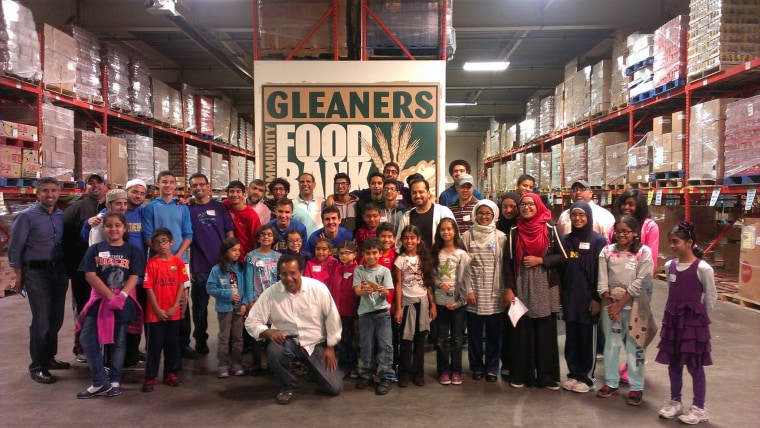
x=211, y=223
x=345, y=201
x=391, y=211
x=603, y=219
x=280, y=188
x=450, y=196
x=391, y=171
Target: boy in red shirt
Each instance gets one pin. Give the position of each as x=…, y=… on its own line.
x=371, y=217
x=165, y=275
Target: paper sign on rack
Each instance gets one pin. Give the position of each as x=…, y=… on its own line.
x=516, y=310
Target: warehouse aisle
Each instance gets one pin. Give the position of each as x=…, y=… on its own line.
x=204, y=400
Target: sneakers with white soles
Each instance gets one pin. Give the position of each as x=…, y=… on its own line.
x=694, y=416
x=569, y=384
x=671, y=409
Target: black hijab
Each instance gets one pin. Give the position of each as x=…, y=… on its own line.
x=587, y=257
x=503, y=223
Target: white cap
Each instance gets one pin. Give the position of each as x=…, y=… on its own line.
x=135, y=182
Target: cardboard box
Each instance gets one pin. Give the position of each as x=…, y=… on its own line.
x=661, y=125
x=117, y=161
x=749, y=260
x=10, y=169
x=678, y=123
x=10, y=154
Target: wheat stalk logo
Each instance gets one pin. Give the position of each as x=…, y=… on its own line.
x=400, y=149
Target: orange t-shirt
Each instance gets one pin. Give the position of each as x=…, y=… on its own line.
x=164, y=277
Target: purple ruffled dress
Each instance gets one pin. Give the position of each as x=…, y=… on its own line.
x=685, y=332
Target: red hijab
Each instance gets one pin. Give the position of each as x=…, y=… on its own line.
x=532, y=238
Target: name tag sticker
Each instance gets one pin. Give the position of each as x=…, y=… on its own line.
x=316, y=268
x=383, y=219
x=210, y=212
x=466, y=218
x=104, y=254
x=672, y=277
x=261, y=263
x=584, y=246
x=347, y=275
x=631, y=265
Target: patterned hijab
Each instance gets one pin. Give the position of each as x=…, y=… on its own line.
x=585, y=234
x=532, y=238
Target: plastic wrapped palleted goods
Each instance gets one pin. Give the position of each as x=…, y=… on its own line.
x=117, y=75
x=670, y=50
x=19, y=44
x=601, y=76
x=546, y=116
x=707, y=136
x=140, y=157
x=597, y=155
x=743, y=137
x=574, y=160
x=139, y=87
x=60, y=59
x=188, y=108
x=556, y=168
x=222, y=108
x=87, y=65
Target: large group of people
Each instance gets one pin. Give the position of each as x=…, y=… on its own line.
x=299, y=279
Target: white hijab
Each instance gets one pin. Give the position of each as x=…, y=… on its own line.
x=487, y=230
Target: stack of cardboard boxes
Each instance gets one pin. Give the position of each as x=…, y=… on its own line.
x=88, y=61
x=667, y=142
x=707, y=136
x=575, y=160
x=88, y=154
x=597, y=156
x=57, y=144
x=749, y=260
x=60, y=60
x=670, y=50
x=640, y=161
x=20, y=47
x=640, y=49
x=743, y=137
x=601, y=78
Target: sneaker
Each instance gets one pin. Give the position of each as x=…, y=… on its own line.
x=505, y=372
x=394, y=379
x=238, y=370
x=456, y=379
x=490, y=377
x=354, y=374
x=569, y=384
x=694, y=416
x=581, y=387
x=114, y=391
x=284, y=397
x=671, y=409
x=418, y=380
x=140, y=365
x=553, y=386
x=81, y=358
x=403, y=381
x=172, y=380
x=635, y=397
x=201, y=348
x=54, y=364
x=599, y=357
x=384, y=387
x=444, y=379
x=624, y=376
x=87, y=393
x=148, y=385
x=362, y=383
x=606, y=392
x=516, y=385
x=223, y=372
x=189, y=353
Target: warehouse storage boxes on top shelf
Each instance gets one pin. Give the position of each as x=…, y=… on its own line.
x=597, y=158
x=19, y=45
x=415, y=23
x=707, y=137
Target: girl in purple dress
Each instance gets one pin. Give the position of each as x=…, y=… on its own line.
x=685, y=334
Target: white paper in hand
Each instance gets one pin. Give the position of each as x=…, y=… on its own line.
x=516, y=310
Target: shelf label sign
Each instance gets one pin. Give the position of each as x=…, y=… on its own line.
x=353, y=129
x=750, y=199
x=650, y=197
x=658, y=197
x=714, y=197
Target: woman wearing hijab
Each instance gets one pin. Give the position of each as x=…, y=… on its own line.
x=507, y=219
x=485, y=244
x=533, y=251
x=580, y=301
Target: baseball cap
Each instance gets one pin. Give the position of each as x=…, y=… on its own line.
x=580, y=183
x=136, y=182
x=95, y=176
x=115, y=194
x=464, y=179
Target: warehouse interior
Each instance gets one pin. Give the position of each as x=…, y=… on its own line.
x=210, y=46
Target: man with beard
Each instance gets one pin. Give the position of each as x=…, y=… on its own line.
x=426, y=214
x=256, y=190
x=306, y=199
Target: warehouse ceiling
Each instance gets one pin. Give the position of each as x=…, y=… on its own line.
x=210, y=45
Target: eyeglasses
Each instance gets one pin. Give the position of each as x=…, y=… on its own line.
x=294, y=241
x=527, y=204
x=345, y=253
x=161, y=242
x=623, y=232
x=340, y=184
x=390, y=171
x=389, y=190
x=578, y=215
x=484, y=214
x=266, y=235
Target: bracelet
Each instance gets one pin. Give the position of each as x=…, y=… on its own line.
x=124, y=294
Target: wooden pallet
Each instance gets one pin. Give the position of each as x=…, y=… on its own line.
x=69, y=185
x=710, y=71
x=91, y=99
x=668, y=183
x=66, y=89
x=741, y=301
x=619, y=107
x=615, y=186
x=647, y=185
x=696, y=182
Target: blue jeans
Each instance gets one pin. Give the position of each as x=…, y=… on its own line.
x=46, y=292
x=117, y=350
x=199, y=297
x=348, y=358
x=376, y=344
x=449, y=341
x=476, y=325
x=280, y=357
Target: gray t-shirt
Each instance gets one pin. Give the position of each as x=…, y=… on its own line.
x=374, y=301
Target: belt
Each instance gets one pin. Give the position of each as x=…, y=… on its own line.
x=379, y=311
x=42, y=264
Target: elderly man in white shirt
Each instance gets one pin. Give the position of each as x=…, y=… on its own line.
x=305, y=327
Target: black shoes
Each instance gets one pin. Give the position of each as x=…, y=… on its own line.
x=58, y=365
x=42, y=376
x=189, y=353
x=383, y=388
x=201, y=348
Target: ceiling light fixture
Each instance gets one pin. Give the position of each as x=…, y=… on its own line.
x=461, y=104
x=486, y=66
x=451, y=126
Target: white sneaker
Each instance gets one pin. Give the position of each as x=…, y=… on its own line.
x=223, y=372
x=238, y=370
x=581, y=387
x=671, y=409
x=569, y=384
x=695, y=416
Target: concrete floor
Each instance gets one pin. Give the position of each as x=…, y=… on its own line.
x=204, y=400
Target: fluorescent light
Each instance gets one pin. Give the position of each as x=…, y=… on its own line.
x=463, y=104
x=451, y=126
x=486, y=66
